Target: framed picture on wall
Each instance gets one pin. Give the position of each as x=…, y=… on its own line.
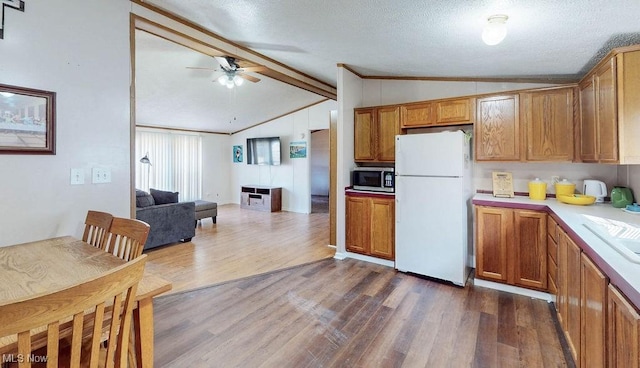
x=27, y=121
x=237, y=153
x=298, y=149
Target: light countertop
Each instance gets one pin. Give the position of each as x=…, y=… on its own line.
x=623, y=273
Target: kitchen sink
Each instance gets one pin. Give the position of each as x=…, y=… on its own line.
x=621, y=236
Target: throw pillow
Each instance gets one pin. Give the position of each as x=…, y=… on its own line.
x=163, y=197
x=144, y=199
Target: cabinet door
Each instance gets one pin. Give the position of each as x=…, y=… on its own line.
x=588, y=122
x=364, y=135
x=548, y=118
x=388, y=122
x=607, y=113
x=492, y=226
x=382, y=228
x=417, y=115
x=497, y=129
x=357, y=224
x=528, y=255
x=459, y=111
x=623, y=331
x=573, y=298
x=561, y=301
x=594, y=306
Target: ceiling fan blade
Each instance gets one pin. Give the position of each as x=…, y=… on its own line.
x=254, y=69
x=200, y=68
x=250, y=78
x=224, y=63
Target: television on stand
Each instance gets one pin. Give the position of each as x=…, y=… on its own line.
x=263, y=151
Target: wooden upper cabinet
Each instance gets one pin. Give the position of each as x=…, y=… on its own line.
x=623, y=325
x=388, y=127
x=588, y=121
x=365, y=134
x=497, y=129
x=609, y=109
x=458, y=111
x=417, y=115
x=549, y=119
x=374, y=133
x=606, y=112
x=438, y=113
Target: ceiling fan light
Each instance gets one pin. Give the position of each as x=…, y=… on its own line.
x=222, y=80
x=238, y=80
x=496, y=29
x=229, y=83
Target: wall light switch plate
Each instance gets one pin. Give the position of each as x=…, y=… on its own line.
x=77, y=176
x=100, y=175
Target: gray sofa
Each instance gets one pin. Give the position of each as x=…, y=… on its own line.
x=169, y=222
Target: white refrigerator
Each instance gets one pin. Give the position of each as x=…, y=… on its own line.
x=433, y=205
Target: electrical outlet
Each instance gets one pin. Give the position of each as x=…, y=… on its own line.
x=555, y=179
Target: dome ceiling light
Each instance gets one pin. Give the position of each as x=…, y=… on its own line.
x=496, y=29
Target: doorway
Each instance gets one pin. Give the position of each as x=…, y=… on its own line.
x=320, y=153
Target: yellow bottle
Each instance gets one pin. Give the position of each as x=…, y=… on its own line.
x=537, y=189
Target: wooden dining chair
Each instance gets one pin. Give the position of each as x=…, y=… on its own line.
x=96, y=227
x=126, y=238
x=77, y=314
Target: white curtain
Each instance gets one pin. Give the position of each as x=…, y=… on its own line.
x=176, y=162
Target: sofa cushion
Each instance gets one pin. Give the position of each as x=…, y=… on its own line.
x=164, y=197
x=144, y=199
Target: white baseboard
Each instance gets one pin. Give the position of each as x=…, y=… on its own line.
x=515, y=290
x=340, y=256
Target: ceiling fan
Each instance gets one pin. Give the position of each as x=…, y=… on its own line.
x=234, y=74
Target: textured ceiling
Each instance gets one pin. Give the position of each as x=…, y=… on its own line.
x=410, y=38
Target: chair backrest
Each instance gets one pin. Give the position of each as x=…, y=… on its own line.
x=126, y=238
x=78, y=313
x=96, y=226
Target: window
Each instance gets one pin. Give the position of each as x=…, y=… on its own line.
x=176, y=162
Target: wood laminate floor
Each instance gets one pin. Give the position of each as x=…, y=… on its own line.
x=243, y=243
x=351, y=313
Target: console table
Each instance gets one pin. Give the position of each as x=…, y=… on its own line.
x=261, y=198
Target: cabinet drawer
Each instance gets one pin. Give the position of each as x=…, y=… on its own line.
x=552, y=228
x=552, y=249
x=552, y=269
x=551, y=285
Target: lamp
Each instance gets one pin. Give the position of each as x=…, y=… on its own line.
x=230, y=80
x=496, y=29
x=145, y=159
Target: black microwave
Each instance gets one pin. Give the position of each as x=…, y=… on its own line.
x=377, y=179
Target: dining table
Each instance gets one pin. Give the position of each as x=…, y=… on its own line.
x=48, y=265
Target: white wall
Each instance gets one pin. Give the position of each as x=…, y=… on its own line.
x=293, y=175
x=217, y=160
x=320, y=153
x=80, y=50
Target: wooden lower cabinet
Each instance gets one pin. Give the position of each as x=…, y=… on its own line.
x=581, y=304
x=358, y=228
x=511, y=246
x=623, y=327
x=370, y=226
x=593, y=316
